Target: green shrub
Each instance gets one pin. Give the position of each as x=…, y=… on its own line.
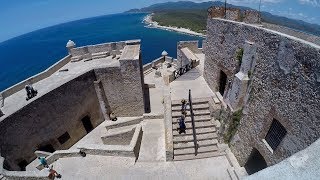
x=236, y=116
x=239, y=56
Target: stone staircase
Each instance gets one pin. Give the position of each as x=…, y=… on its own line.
x=207, y=140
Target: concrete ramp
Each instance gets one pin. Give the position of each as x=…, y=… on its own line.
x=153, y=141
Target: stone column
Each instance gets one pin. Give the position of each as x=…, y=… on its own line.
x=240, y=83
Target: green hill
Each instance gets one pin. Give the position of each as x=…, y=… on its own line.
x=193, y=15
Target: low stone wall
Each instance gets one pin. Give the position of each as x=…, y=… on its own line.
x=182, y=58
x=168, y=125
x=105, y=47
x=36, y=78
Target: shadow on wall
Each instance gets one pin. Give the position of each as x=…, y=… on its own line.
x=255, y=162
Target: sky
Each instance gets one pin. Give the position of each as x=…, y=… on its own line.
x=22, y=16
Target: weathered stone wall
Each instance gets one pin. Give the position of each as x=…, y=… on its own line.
x=45, y=119
x=123, y=86
x=233, y=14
x=251, y=17
x=105, y=47
x=182, y=59
x=32, y=80
x=216, y=12
x=284, y=86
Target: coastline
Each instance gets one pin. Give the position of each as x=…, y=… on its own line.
x=153, y=24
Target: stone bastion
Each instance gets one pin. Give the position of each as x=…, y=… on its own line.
x=74, y=96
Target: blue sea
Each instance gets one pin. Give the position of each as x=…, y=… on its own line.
x=29, y=54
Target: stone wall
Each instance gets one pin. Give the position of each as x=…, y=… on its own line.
x=123, y=85
x=182, y=59
x=105, y=47
x=284, y=86
x=235, y=14
x=44, y=120
x=251, y=17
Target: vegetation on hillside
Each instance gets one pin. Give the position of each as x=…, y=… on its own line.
x=193, y=16
x=193, y=19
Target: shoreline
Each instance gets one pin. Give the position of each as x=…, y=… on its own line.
x=153, y=24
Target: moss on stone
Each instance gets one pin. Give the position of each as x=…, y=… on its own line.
x=239, y=56
x=236, y=116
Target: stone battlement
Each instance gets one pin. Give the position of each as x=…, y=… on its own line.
x=235, y=14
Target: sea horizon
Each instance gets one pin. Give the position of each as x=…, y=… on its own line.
x=31, y=53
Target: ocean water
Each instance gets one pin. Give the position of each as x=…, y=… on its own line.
x=31, y=53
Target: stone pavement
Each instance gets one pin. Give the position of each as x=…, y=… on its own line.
x=191, y=80
x=106, y=167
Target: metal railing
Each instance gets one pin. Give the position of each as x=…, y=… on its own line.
x=193, y=125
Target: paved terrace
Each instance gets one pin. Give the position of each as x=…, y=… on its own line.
x=151, y=162
x=68, y=72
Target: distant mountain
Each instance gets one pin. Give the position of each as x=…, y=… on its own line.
x=266, y=17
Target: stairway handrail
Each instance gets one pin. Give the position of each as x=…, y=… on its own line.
x=193, y=124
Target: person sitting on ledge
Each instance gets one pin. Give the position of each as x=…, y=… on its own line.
x=43, y=161
x=30, y=92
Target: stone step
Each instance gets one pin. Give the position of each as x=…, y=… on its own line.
x=176, y=114
x=210, y=142
x=189, y=138
x=198, y=156
x=195, y=107
x=194, y=101
x=196, y=119
x=198, y=131
x=186, y=151
x=198, y=125
x=232, y=174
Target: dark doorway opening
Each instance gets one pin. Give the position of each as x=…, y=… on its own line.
x=23, y=164
x=222, y=82
x=147, y=107
x=255, y=162
x=87, y=124
x=47, y=148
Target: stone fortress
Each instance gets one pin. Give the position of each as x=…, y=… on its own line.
x=253, y=109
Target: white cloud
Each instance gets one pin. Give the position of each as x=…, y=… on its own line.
x=315, y=3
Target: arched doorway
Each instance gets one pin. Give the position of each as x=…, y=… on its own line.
x=222, y=82
x=255, y=162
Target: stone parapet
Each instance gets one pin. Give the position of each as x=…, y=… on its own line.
x=235, y=14
x=251, y=17
x=34, y=79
